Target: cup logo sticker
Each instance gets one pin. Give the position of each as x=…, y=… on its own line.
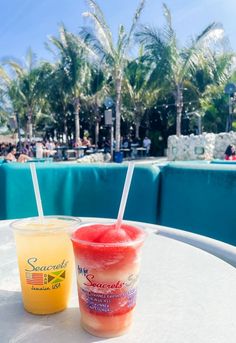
x=107, y=297
x=35, y=275
x=43, y=279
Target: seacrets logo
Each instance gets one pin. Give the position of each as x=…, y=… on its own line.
x=91, y=281
x=34, y=268
x=35, y=275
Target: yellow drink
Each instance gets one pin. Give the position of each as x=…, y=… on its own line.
x=45, y=260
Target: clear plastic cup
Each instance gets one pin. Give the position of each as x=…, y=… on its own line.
x=107, y=275
x=46, y=261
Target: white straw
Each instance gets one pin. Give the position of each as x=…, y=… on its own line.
x=125, y=194
x=36, y=190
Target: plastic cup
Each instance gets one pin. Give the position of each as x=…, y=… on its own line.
x=107, y=274
x=46, y=261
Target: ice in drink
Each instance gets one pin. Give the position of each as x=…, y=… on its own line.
x=46, y=262
x=107, y=261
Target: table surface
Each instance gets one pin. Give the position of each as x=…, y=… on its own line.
x=185, y=295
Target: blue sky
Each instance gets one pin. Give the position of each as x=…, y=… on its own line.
x=27, y=23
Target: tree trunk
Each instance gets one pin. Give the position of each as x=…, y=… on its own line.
x=147, y=123
x=18, y=129
x=77, y=119
x=96, y=134
x=65, y=129
x=30, y=125
x=137, y=127
x=229, y=117
x=26, y=131
x=77, y=126
x=97, y=122
x=179, y=108
x=118, y=103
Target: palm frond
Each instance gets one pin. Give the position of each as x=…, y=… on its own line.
x=148, y=36
x=63, y=36
x=95, y=7
x=91, y=43
x=167, y=15
x=158, y=55
x=86, y=47
x=197, y=51
x=4, y=76
x=190, y=86
x=220, y=68
x=30, y=59
x=49, y=47
x=102, y=29
x=122, y=37
x=18, y=69
x=56, y=42
x=100, y=32
x=206, y=31
x=168, y=30
x=135, y=21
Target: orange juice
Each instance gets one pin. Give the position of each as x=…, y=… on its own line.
x=45, y=260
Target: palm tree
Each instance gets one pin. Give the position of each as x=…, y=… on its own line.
x=178, y=64
x=24, y=89
x=211, y=81
x=113, y=56
x=98, y=88
x=57, y=98
x=14, y=98
x=4, y=110
x=74, y=69
x=138, y=91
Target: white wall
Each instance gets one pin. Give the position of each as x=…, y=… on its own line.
x=207, y=146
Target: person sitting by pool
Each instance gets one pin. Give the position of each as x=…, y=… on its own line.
x=78, y=143
x=86, y=142
x=147, y=145
x=11, y=156
x=230, y=153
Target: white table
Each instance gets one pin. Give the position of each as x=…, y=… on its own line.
x=186, y=295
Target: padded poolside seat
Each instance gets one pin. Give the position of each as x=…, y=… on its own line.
x=79, y=190
x=229, y=162
x=200, y=199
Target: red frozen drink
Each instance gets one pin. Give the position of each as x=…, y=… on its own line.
x=107, y=262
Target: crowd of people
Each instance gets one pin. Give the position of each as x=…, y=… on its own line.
x=24, y=151
x=12, y=152
x=128, y=143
